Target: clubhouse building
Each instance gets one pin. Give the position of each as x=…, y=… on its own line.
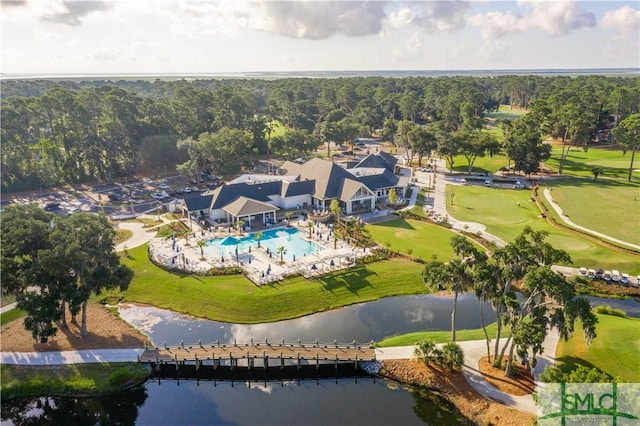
x=256, y=199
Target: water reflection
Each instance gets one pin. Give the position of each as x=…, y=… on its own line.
x=362, y=322
x=347, y=402
x=119, y=409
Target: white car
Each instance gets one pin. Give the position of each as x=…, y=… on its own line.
x=147, y=180
x=163, y=186
x=186, y=190
x=159, y=195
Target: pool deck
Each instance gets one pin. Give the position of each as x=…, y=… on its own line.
x=260, y=267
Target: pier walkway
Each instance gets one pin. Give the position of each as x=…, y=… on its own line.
x=263, y=351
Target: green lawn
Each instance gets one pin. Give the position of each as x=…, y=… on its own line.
x=606, y=206
x=410, y=339
x=235, y=299
x=422, y=238
x=506, y=113
x=481, y=165
x=418, y=209
x=613, y=162
x=11, y=315
x=498, y=210
x=75, y=379
x=615, y=350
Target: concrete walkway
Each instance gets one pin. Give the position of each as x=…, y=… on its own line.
x=70, y=357
x=565, y=219
x=474, y=350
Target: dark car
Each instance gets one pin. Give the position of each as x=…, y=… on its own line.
x=599, y=274
x=51, y=206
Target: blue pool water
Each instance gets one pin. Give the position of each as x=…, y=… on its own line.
x=290, y=238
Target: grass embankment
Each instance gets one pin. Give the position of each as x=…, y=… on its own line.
x=11, y=315
x=606, y=206
x=498, y=209
x=614, y=350
x=411, y=339
x=233, y=298
x=68, y=380
x=415, y=238
x=122, y=235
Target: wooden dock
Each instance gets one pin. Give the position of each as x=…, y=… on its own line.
x=231, y=353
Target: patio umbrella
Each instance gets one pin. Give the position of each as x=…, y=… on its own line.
x=314, y=267
x=222, y=259
x=332, y=264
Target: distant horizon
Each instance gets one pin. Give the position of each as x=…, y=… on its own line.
x=329, y=73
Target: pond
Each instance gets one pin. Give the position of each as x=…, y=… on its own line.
x=365, y=402
x=362, y=322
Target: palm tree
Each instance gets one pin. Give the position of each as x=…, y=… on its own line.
x=456, y=275
x=201, y=244
x=335, y=208
x=310, y=225
x=287, y=216
x=282, y=251
x=239, y=225
x=596, y=172
x=258, y=237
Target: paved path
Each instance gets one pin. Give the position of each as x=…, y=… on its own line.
x=474, y=350
x=70, y=357
x=440, y=206
x=565, y=219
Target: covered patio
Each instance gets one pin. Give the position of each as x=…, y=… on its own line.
x=247, y=209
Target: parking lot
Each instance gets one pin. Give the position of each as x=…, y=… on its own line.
x=126, y=197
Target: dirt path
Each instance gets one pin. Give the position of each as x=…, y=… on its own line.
x=105, y=331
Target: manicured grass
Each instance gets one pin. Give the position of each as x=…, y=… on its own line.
x=498, y=210
x=421, y=238
x=614, y=351
x=148, y=222
x=418, y=209
x=606, y=206
x=74, y=379
x=506, y=113
x=614, y=164
x=233, y=298
x=484, y=164
x=410, y=339
x=11, y=315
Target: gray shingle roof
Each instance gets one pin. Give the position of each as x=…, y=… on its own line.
x=244, y=206
x=226, y=194
x=202, y=202
x=329, y=177
x=378, y=160
x=383, y=180
x=290, y=189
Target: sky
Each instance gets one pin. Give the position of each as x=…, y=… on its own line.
x=152, y=37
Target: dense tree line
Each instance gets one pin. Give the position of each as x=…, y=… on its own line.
x=57, y=132
x=55, y=263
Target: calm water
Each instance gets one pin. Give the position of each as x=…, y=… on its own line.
x=362, y=322
x=290, y=238
x=366, y=402
x=189, y=403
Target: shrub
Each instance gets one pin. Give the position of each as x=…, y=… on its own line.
x=119, y=377
x=452, y=356
x=427, y=352
x=608, y=310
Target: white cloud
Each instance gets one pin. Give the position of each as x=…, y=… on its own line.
x=557, y=17
x=430, y=16
x=411, y=51
x=68, y=13
x=625, y=21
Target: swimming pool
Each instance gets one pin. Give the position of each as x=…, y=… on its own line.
x=290, y=238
